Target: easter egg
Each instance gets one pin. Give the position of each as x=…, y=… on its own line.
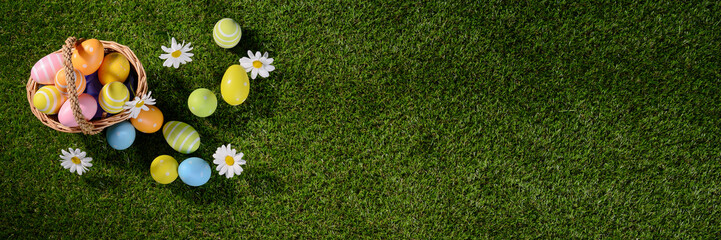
x=202, y=102
x=148, y=121
x=99, y=113
x=44, y=70
x=226, y=33
x=62, y=84
x=164, y=169
x=234, y=86
x=194, y=171
x=88, y=56
x=130, y=83
x=120, y=136
x=113, y=96
x=115, y=67
x=48, y=99
x=88, y=107
x=93, y=85
x=181, y=137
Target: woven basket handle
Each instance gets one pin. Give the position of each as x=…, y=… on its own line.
x=85, y=126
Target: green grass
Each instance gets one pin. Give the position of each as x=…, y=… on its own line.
x=459, y=119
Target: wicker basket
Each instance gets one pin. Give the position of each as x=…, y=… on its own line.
x=84, y=126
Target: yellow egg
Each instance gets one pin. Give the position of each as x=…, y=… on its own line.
x=164, y=169
x=234, y=87
x=115, y=67
x=113, y=96
x=48, y=99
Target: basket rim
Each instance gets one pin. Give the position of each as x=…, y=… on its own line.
x=99, y=124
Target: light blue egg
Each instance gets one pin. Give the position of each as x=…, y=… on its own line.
x=194, y=171
x=120, y=136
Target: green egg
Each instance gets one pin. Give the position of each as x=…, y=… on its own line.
x=202, y=102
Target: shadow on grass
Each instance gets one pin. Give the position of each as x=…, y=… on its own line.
x=224, y=191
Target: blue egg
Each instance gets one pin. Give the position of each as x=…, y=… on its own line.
x=99, y=113
x=121, y=136
x=94, y=85
x=130, y=83
x=194, y=171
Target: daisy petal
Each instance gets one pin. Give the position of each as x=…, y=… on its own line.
x=166, y=49
x=164, y=56
x=269, y=68
x=223, y=169
x=265, y=55
x=263, y=73
x=254, y=73
x=257, y=55
x=250, y=54
x=176, y=64
x=168, y=63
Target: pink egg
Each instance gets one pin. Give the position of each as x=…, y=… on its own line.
x=43, y=72
x=88, y=105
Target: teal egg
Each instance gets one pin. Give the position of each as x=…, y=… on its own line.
x=120, y=136
x=194, y=171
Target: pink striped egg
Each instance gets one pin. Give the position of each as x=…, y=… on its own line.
x=43, y=72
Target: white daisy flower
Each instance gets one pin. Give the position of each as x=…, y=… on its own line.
x=75, y=160
x=228, y=161
x=257, y=65
x=176, y=54
x=139, y=103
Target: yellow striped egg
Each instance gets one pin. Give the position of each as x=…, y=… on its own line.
x=181, y=137
x=226, y=33
x=48, y=99
x=113, y=96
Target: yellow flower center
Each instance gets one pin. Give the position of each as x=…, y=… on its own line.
x=257, y=64
x=75, y=160
x=176, y=54
x=139, y=104
x=229, y=160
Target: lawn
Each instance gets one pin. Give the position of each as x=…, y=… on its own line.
x=390, y=120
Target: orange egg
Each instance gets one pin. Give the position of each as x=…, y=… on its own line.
x=62, y=84
x=148, y=121
x=88, y=56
